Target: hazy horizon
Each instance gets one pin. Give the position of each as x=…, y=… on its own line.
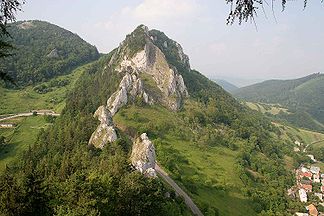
x=286, y=49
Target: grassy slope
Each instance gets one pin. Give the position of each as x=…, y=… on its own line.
x=266, y=108
x=20, y=138
x=26, y=99
x=301, y=135
x=209, y=174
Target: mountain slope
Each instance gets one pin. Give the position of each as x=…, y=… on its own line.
x=224, y=156
x=43, y=51
x=227, y=86
x=303, y=97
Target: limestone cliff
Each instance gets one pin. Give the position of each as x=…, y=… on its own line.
x=143, y=156
x=144, y=64
x=105, y=132
x=147, y=76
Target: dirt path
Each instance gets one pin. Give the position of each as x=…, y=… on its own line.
x=39, y=112
x=195, y=210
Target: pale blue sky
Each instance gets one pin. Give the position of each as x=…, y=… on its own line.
x=291, y=47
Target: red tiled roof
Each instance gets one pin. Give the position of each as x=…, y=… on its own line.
x=307, y=187
x=307, y=174
x=312, y=210
x=322, y=188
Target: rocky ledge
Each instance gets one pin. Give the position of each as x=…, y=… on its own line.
x=105, y=132
x=143, y=156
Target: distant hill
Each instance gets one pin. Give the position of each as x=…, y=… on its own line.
x=43, y=51
x=229, y=87
x=303, y=97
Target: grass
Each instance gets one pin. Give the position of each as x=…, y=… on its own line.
x=301, y=135
x=26, y=99
x=208, y=174
x=273, y=109
x=20, y=138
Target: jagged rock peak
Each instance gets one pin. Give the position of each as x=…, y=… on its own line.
x=129, y=88
x=138, y=56
x=105, y=132
x=143, y=156
x=172, y=49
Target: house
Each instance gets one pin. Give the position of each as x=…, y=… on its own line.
x=302, y=195
x=301, y=214
x=297, y=143
x=312, y=211
x=304, y=181
x=316, y=178
x=312, y=157
x=307, y=187
x=322, y=189
x=315, y=170
x=319, y=195
x=296, y=149
x=7, y=125
x=304, y=169
x=306, y=175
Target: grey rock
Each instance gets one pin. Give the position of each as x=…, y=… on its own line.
x=105, y=132
x=143, y=156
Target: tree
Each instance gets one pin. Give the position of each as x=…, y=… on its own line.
x=245, y=10
x=8, y=10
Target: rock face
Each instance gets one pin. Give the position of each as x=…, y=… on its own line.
x=143, y=156
x=53, y=54
x=147, y=76
x=105, y=132
x=148, y=66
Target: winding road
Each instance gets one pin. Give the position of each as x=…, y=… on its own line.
x=195, y=210
x=39, y=112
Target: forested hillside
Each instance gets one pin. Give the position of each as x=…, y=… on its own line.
x=43, y=51
x=227, y=86
x=303, y=97
x=225, y=156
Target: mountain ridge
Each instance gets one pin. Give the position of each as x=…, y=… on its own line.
x=43, y=51
x=302, y=96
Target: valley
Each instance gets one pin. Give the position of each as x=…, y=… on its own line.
x=137, y=131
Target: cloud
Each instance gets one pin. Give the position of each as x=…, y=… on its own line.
x=157, y=10
x=152, y=12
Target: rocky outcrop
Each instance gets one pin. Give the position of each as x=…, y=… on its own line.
x=150, y=62
x=146, y=76
x=53, y=54
x=105, y=132
x=143, y=156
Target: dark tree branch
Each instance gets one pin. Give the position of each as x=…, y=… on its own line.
x=245, y=10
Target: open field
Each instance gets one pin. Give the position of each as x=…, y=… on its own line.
x=19, y=138
x=273, y=109
x=27, y=98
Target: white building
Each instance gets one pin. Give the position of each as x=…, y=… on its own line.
x=315, y=170
x=302, y=195
x=301, y=214
x=312, y=157
x=297, y=143
x=304, y=169
x=316, y=178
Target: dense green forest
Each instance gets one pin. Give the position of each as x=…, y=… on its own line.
x=303, y=97
x=43, y=51
x=61, y=175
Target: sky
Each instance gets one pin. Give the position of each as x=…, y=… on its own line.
x=281, y=45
